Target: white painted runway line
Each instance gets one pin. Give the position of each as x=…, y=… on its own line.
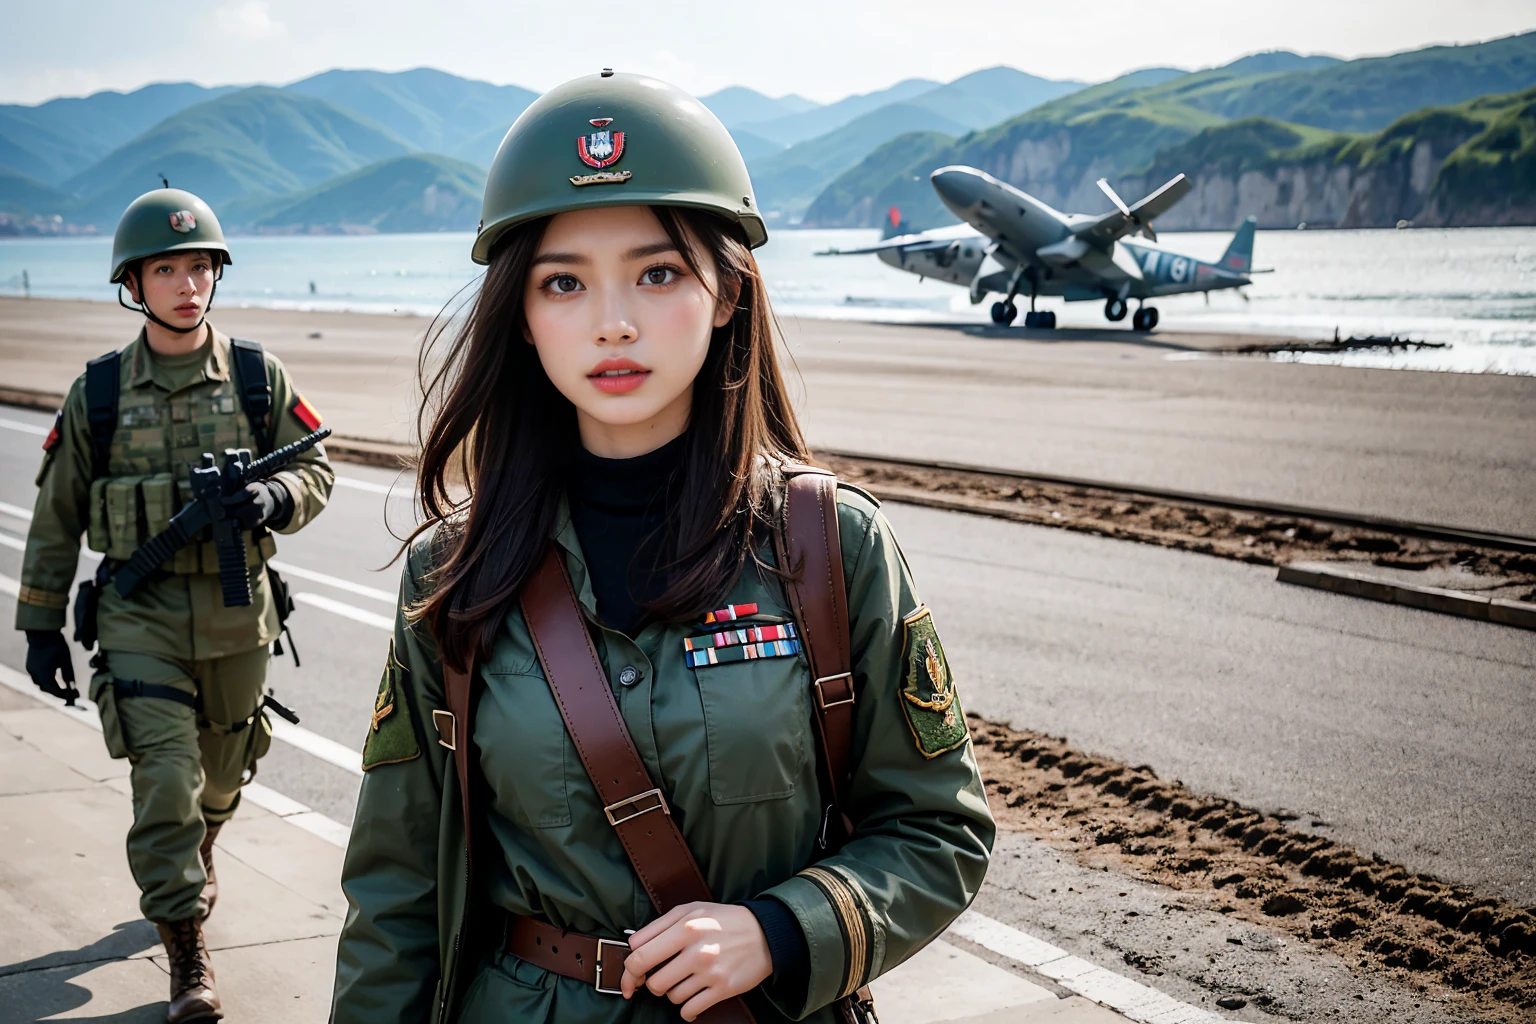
x=300, y=573
x=346, y=610
x=1119, y=993
x=399, y=493
x=15, y=511
x=25, y=428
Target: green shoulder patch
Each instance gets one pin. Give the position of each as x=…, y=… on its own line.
x=391, y=737
x=927, y=689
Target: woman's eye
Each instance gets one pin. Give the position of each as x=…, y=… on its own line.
x=659, y=276
x=562, y=284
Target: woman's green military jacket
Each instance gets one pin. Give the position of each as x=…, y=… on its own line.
x=732, y=745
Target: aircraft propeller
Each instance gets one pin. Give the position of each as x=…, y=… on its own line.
x=1114, y=197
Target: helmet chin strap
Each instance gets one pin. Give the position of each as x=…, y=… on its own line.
x=143, y=307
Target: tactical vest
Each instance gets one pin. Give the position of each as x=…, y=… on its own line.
x=155, y=440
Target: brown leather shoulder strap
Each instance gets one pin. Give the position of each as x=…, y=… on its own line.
x=458, y=685
x=810, y=548
x=636, y=808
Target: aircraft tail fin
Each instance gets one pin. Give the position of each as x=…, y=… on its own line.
x=894, y=225
x=1239, y=255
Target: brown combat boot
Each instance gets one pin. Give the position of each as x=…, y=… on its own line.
x=210, y=893
x=193, y=996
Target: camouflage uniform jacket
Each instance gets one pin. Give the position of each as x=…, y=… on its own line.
x=166, y=421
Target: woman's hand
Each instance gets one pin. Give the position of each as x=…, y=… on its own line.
x=697, y=955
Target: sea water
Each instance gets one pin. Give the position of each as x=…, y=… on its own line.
x=1474, y=288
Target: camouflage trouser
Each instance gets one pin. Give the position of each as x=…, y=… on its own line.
x=189, y=757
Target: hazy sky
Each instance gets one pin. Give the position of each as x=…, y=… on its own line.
x=823, y=49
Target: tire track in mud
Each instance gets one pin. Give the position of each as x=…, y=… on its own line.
x=1467, y=951
x=1253, y=536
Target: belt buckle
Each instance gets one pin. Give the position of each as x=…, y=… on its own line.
x=659, y=805
x=598, y=984
x=821, y=696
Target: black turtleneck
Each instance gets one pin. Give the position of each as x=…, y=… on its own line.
x=619, y=508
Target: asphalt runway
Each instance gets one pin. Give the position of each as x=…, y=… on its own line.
x=1395, y=730
x=1151, y=410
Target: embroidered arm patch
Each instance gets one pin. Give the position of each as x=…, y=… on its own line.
x=927, y=688
x=391, y=737
x=305, y=412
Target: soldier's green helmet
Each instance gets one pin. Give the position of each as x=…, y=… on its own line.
x=165, y=220
x=615, y=139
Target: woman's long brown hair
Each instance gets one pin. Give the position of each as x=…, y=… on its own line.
x=491, y=417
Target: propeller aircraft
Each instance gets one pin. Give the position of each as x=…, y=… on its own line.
x=1010, y=242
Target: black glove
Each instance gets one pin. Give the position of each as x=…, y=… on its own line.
x=260, y=503
x=48, y=654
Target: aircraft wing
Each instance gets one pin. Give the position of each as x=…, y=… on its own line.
x=917, y=241
x=1118, y=223
x=911, y=243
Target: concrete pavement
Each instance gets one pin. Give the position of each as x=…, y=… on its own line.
x=74, y=947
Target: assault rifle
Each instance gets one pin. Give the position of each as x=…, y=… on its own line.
x=210, y=485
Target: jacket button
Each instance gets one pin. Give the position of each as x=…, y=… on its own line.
x=628, y=676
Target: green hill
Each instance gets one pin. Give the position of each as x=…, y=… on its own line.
x=419, y=192
x=788, y=181
x=1491, y=178
x=986, y=97
x=433, y=110
x=1248, y=114
x=21, y=194
x=895, y=174
x=248, y=143
x=1360, y=95
x=55, y=140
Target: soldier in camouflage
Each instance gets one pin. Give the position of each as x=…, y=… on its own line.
x=179, y=678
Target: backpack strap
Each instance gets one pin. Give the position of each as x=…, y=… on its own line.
x=255, y=390
x=103, y=380
x=810, y=550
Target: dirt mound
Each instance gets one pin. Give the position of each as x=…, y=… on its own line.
x=1451, y=943
x=1255, y=537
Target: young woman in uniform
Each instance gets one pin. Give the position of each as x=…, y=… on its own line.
x=614, y=397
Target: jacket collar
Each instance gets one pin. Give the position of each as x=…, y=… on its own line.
x=564, y=536
x=142, y=366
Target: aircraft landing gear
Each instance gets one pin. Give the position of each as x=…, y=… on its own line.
x=1045, y=320
x=1004, y=313
x=1144, y=319
x=1114, y=310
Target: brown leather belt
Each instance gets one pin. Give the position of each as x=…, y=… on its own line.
x=585, y=958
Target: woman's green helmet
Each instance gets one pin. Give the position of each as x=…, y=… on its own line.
x=615, y=140
x=165, y=220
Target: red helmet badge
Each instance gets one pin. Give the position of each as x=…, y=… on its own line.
x=183, y=221
x=601, y=148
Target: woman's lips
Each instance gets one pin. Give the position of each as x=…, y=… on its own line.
x=617, y=382
x=618, y=376
x=187, y=309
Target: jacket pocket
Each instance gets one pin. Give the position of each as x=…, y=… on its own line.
x=159, y=502
x=125, y=516
x=756, y=719
x=261, y=742
x=525, y=752
x=97, y=536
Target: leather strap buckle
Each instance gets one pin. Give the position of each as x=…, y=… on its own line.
x=660, y=804
x=821, y=695
x=443, y=722
x=598, y=983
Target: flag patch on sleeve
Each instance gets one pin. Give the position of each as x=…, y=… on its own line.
x=54, y=434
x=305, y=412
